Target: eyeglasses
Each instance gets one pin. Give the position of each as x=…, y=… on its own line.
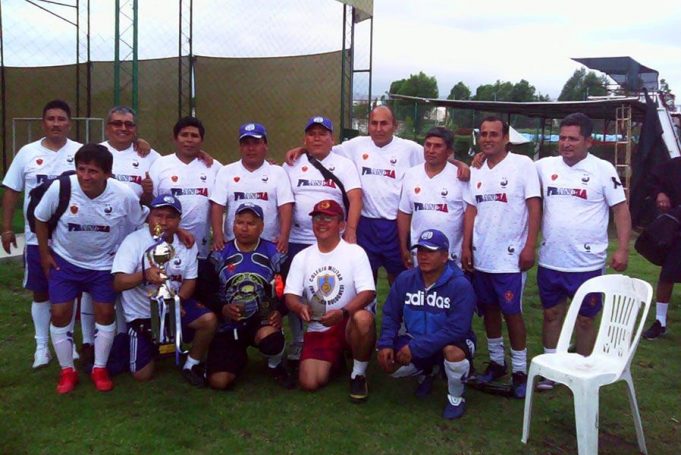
x=120, y=123
x=324, y=218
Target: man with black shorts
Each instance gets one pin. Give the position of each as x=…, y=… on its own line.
x=241, y=285
x=329, y=286
x=137, y=280
x=435, y=302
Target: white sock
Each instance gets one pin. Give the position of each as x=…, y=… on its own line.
x=407, y=371
x=40, y=312
x=549, y=350
x=456, y=372
x=296, y=326
x=495, y=346
x=190, y=362
x=359, y=368
x=121, y=325
x=519, y=361
x=661, y=312
x=62, y=341
x=87, y=318
x=274, y=360
x=104, y=336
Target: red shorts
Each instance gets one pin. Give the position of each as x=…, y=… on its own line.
x=327, y=346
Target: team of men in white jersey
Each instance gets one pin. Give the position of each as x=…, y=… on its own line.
x=339, y=212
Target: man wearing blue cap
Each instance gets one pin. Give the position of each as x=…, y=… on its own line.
x=252, y=179
x=435, y=302
x=137, y=279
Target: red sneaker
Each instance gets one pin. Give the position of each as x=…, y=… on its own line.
x=68, y=378
x=100, y=376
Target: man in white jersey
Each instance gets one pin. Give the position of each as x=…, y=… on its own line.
x=252, y=179
x=99, y=215
x=578, y=191
x=334, y=276
x=36, y=162
x=501, y=224
x=310, y=186
x=136, y=279
x=432, y=197
x=188, y=178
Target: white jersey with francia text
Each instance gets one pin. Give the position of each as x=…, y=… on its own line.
x=129, y=167
x=381, y=170
x=501, y=224
x=576, y=203
x=91, y=230
x=338, y=276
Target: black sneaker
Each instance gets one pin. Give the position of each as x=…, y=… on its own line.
x=655, y=331
x=519, y=385
x=359, y=392
x=281, y=376
x=492, y=372
x=425, y=387
x=194, y=375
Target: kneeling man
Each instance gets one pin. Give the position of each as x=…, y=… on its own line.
x=337, y=277
x=435, y=302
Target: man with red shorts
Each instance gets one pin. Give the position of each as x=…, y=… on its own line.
x=329, y=286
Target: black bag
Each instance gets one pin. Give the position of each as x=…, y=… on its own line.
x=658, y=237
x=37, y=194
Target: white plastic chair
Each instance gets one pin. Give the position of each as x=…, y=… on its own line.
x=616, y=342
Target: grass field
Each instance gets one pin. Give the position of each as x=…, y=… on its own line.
x=169, y=416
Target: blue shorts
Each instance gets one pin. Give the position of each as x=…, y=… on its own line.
x=556, y=286
x=70, y=281
x=34, y=277
x=427, y=364
x=381, y=242
x=502, y=290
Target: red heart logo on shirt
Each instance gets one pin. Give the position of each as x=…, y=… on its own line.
x=365, y=156
x=39, y=161
x=237, y=178
x=174, y=178
x=554, y=176
x=304, y=168
x=479, y=185
x=74, y=209
x=417, y=190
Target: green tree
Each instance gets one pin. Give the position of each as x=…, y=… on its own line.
x=459, y=117
x=459, y=92
x=581, y=85
x=420, y=85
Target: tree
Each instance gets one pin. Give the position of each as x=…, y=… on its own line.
x=581, y=85
x=460, y=92
x=499, y=91
x=459, y=117
x=420, y=85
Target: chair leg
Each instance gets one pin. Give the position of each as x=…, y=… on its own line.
x=529, y=396
x=633, y=404
x=586, y=419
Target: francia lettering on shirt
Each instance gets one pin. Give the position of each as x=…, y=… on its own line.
x=189, y=192
x=40, y=178
x=418, y=206
x=260, y=196
x=129, y=178
x=498, y=197
x=576, y=192
x=304, y=182
x=420, y=298
x=390, y=173
x=73, y=227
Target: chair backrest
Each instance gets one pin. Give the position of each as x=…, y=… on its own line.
x=626, y=301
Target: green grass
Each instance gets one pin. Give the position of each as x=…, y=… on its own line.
x=169, y=416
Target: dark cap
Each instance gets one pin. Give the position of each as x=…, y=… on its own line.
x=250, y=207
x=433, y=240
x=255, y=130
x=319, y=120
x=327, y=207
x=167, y=200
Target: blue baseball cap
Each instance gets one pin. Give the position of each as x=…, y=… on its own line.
x=433, y=240
x=255, y=130
x=250, y=207
x=319, y=120
x=167, y=200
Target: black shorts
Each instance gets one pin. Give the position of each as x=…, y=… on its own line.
x=671, y=268
x=228, y=350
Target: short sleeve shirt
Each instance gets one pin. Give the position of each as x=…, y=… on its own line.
x=129, y=167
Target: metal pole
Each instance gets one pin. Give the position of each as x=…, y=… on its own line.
x=342, y=93
x=371, y=56
x=3, y=101
x=135, y=68
x=89, y=65
x=191, y=57
x=117, y=56
x=179, y=61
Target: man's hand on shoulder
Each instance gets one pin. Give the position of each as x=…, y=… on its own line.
x=292, y=155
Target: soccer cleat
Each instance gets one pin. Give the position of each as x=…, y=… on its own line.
x=41, y=357
x=68, y=378
x=359, y=391
x=544, y=384
x=194, y=375
x=425, y=386
x=100, y=377
x=294, y=351
x=454, y=408
x=655, y=331
x=519, y=385
x=282, y=376
x=492, y=372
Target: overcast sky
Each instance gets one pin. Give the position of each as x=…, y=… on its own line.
x=453, y=40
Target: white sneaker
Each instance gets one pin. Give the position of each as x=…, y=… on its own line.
x=294, y=351
x=76, y=356
x=41, y=357
x=545, y=384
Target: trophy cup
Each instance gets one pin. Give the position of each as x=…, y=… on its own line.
x=166, y=323
x=317, y=306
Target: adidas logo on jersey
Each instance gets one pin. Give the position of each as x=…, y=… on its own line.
x=420, y=299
